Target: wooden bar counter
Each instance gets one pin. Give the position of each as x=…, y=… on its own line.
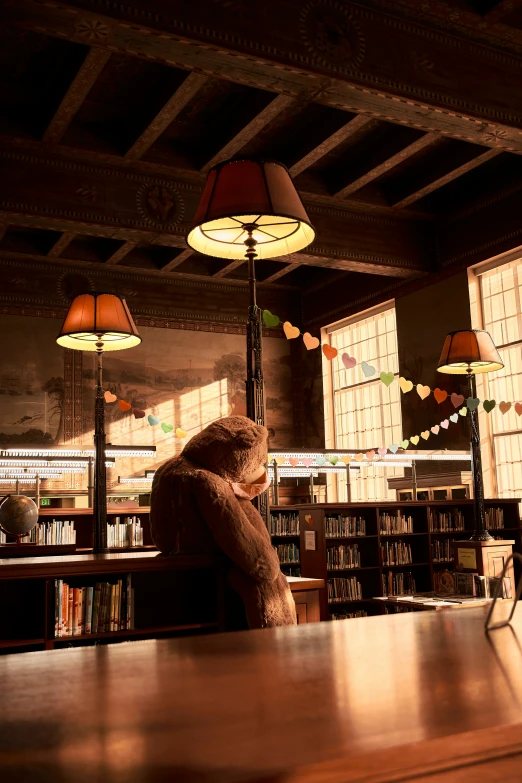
x=417, y=697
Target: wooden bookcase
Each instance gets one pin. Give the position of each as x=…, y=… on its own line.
x=422, y=541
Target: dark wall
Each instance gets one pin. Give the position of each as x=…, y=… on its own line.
x=423, y=320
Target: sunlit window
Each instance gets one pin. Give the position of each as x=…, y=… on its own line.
x=361, y=412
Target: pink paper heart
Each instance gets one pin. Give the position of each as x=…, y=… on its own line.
x=307, y=461
x=435, y=429
x=348, y=361
x=445, y=424
x=457, y=400
x=382, y=452
x=293, y=461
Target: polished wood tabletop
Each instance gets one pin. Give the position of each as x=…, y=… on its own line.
x=269, y=705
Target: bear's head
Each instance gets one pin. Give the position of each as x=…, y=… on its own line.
x=233, y=448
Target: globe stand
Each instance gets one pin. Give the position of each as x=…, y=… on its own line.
x=18, y=541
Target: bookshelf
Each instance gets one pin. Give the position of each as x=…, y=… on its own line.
x=283, y=526
x=377, y=549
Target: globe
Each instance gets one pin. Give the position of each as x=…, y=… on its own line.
x=18, y=515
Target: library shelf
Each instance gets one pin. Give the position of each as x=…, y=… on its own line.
x=130, y=632
x=291, y=563
x=6, y=643
x=424, y=514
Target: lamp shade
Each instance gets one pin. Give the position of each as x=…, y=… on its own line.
x=259, y=193
x=470, y=351
x=95, y=318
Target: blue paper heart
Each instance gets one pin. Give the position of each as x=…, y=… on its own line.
x=394, y=449
x=454, y=418
x=367, y=369
x=320, y=460
x=153, y=420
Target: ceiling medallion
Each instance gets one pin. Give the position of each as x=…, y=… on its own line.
x=331, y=35
x=70, y=284
x=160, y=205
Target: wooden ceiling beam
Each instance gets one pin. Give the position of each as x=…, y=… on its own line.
x=388, y=165
x=123, y=251
x=230, y=267
x=280, y=273
x=447, y=178
x=178, y=260
x=78, y=90
x=59, y=246
x=349, y=265
x=247, y=133
x=192, y=84
x=353, y=126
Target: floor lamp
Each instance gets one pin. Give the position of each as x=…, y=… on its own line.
x=250, y=209
x=468, y=353
x=99, y=322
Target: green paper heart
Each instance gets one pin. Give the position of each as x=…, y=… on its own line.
x=394, y=448
x=387, y=378
x=153, y=420
x=269, y=319
x=166, y=427
x=367, y=369
x=405, y=443
x=454, y=417
x=334, y=460
x=472, y=403
x=488, y=405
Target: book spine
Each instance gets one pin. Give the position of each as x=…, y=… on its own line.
x=88, y=610
x=76, y=604
x=96, y=608
x=111, y=607
x=70, y=611
x=118, y=607
x=81, y=610
x=64, y=610
x=57, y=607
x=129, y=602
x=103, y=604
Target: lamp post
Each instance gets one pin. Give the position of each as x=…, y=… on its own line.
x=468, y=353
x=99, y=322
x=250, y=209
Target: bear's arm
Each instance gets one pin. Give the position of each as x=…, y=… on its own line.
x=235, y=535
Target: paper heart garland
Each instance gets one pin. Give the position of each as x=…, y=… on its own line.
x=463, y=411
x=270, y=319
x=109, y=396
x=333, y=460
x=406, y=386
x=280, y=460
x=138, y=413
x=124, y=406
x=307, y=461
x=166, y=427
x=504, y=407
x=382, y=452
x=472, y=403
x=293, y=461
x=454, y=418
x=440, y=395
x=445, y=424
x=367, y=369
x=310, y=342
x=153, y=420
x=423, y=391
x=414, y=439
x=435, y=429
x=320, y=460
x=359, y=457
x=387, y=378
x=393, y=448
x=180, y=433
x=290, y=331
x=457, y=400
x=370, y=454
x=329, y=352
x=425, y=434
x=348, y=361
x=346, y=459
x=308, y=519
x=488, y=405
x=518, y=408
x=405, y=443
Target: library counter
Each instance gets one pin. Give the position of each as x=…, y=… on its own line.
x=337, y=702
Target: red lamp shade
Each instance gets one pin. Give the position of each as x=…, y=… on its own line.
x=95, y=318
x=469, y=352
x=259, y=193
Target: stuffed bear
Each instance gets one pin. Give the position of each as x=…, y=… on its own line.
x=200, y=504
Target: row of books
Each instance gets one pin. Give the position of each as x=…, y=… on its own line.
x=395, y=525
x=292, y=570
x=348, y=615
x=52, y=533
x=283, y=525
x=343, y=556
x=344, y=589
x=105, y=607
x=481, y=586
x=446, y=522
x=126, y=533
x=442, y=550
x=399, y=583
x=340, y=527
x=397, y=609
x=395, y=553
x=287, y=553
x=494, y=518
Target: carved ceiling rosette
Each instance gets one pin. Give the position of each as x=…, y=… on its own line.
x=331, y=34
x=160, y=204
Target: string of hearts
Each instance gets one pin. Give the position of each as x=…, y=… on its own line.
x=125, y=406
x=387, y=378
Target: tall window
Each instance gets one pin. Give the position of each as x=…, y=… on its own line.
x=361, y=412
x=496, y=297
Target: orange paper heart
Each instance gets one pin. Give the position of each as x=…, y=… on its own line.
x=504, y=407
x=329, y=352
x=290, y=331
x=518, y=408
x=109, y=396
x=440, y=395
x=370, y=454
x=310, y=342
x=423, y=391
x=124, y=406
x=425, y=434
x=359, y=457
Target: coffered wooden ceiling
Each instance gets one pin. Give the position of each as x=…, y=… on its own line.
x=400, y=122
